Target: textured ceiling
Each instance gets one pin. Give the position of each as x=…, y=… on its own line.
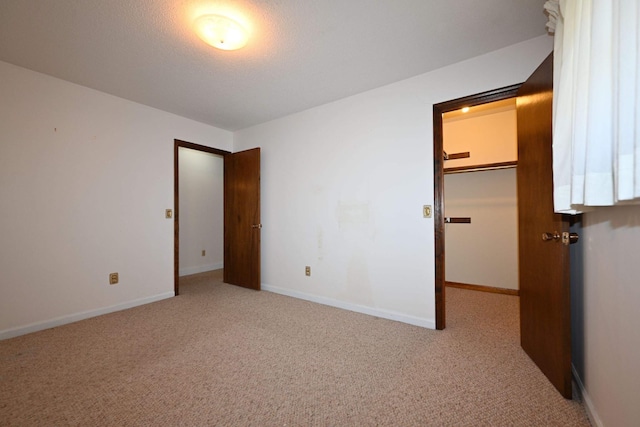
x=301, y=53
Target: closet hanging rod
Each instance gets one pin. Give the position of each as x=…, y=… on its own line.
x=457, y=220
x=454, y=156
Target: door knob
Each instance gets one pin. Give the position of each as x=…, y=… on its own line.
x=256, y=226
x=569, y=238
x=551, y=236
x=566, y=237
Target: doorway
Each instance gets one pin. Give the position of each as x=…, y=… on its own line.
x=242, y=227
x=439, y=167
x=481, y=205
x=543, y=236
x=179, y=146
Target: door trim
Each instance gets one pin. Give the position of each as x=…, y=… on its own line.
x=176, y=202
x=438, y=182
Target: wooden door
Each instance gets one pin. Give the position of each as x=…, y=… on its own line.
x=242, y=218
x=545, y=321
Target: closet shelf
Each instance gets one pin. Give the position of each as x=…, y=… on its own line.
x=483, y=167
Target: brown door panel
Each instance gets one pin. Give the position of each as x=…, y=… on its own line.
x=545, y=322
x=242, y=226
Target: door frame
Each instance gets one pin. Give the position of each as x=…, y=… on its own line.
x=176, y=201
x=438, y=182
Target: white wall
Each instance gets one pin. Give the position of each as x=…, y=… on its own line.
x=484, y=252
x=606, y=318
x=343, y=187
x=85, y=179
x=489, y=138
x=201, y=211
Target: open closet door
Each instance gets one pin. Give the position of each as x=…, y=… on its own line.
x=242, y=218
x=545, y=321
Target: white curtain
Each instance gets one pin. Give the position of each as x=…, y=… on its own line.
x=596, y=112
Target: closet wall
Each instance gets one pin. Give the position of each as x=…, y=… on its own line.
x=201, y=177
x=485, y=251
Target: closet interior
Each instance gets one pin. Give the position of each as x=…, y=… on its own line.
x=480, y=197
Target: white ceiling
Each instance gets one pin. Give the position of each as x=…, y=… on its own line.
x=302, y=53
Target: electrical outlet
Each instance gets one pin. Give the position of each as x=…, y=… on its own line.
x=203, y=252
x=307, y=271
x=113, y=278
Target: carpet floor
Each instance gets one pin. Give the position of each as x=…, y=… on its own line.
x=223, y=355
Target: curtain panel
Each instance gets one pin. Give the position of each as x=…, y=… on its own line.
x=596, y=111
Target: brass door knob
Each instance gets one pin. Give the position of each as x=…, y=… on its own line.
x=550, y=236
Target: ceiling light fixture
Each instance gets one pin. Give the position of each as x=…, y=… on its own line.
x=221, y=32
x=465, y=109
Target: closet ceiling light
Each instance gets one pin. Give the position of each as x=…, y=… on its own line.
x=221, y=32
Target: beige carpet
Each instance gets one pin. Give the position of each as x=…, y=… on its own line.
x=222, y=355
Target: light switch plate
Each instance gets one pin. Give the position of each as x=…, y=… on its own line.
x=426, y=211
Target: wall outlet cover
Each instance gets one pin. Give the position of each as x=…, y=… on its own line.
x=113, y=278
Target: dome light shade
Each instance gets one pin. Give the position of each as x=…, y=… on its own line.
x=221, y=32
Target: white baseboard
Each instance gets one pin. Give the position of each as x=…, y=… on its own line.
x=200, y=269
x=588, y=403
x=385, y=314
x=58, y=321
